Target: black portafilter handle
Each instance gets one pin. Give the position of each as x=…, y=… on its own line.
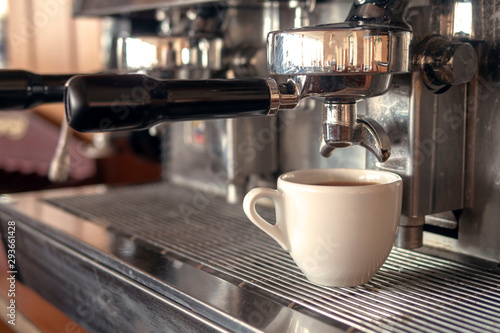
x=21, y=90
x=105, y=103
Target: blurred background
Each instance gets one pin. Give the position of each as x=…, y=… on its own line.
x=42, y=37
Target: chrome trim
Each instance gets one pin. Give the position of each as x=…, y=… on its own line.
x=274, y=97
x=338, y=49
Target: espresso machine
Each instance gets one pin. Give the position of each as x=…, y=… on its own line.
x=240, y=92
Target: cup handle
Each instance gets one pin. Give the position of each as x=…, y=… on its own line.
x=249, y=207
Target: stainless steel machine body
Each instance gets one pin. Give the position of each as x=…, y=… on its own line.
x=428, y=96
x=432, y=134
x=420, y=96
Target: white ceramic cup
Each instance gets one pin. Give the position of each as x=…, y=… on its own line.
x=338, y=235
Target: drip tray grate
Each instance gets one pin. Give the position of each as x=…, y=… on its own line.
x=412, y=292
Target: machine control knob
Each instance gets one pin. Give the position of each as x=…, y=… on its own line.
x=444, y=63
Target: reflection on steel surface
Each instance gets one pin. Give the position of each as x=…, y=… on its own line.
x=412, y=292
x=338, y=49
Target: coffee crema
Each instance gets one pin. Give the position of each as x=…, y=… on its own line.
x=345, y=183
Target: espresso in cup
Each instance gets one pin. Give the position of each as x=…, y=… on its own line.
x=339, y=225
x=344, y=183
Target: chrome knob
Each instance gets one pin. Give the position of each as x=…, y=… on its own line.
x=444, y=63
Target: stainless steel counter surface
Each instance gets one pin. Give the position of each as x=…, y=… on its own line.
x=160, y=258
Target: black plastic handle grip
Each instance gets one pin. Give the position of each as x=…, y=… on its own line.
x=105, y=103
x=21, y=90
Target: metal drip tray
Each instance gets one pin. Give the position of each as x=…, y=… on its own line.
x=412, y=292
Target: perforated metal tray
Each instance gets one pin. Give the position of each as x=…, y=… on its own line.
x=412, y=292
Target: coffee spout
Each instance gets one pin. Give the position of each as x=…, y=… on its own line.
x=342, y=128
x=369, y=134
x=325, y=149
